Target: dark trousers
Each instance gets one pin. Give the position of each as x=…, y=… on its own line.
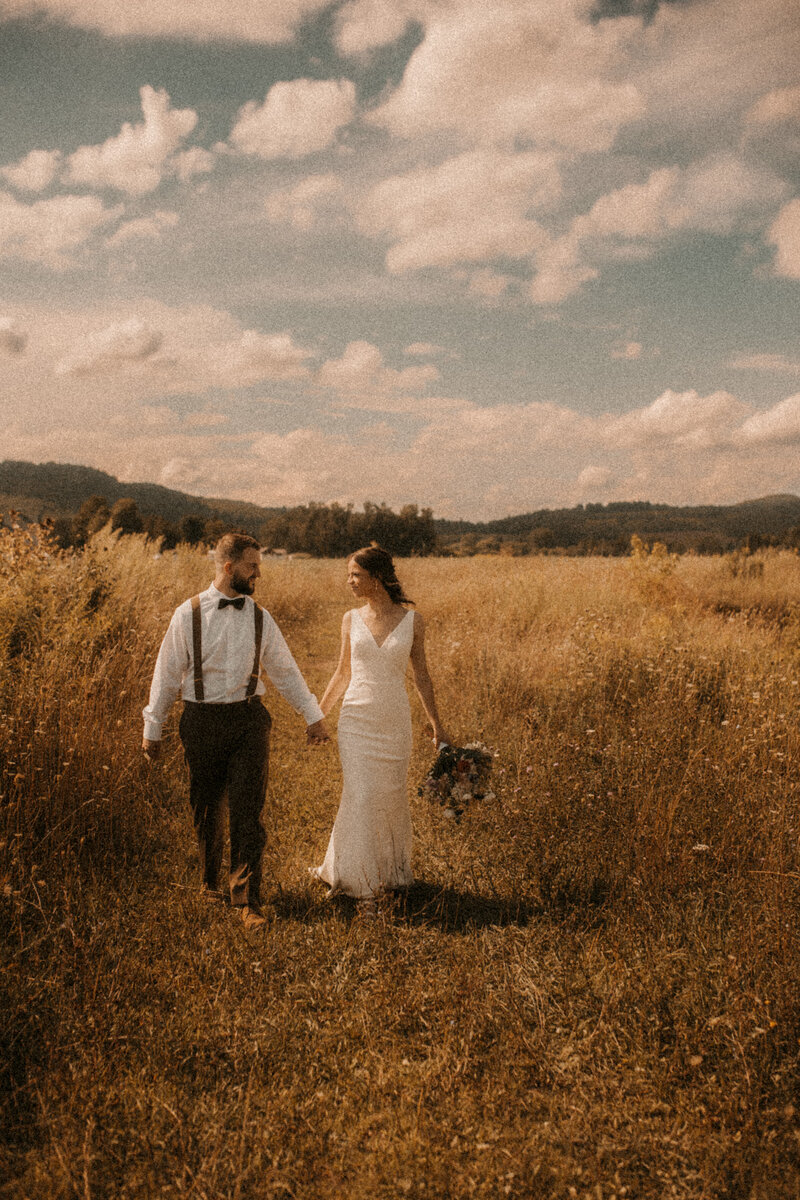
x=227, y=751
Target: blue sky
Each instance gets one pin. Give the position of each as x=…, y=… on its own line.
x=482, y=255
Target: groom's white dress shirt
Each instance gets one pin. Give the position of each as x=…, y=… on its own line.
x=228, y=653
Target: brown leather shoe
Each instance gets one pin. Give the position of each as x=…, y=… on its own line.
x=252, y=918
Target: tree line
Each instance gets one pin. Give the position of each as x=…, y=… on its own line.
x=321, y=530
x=335, y=530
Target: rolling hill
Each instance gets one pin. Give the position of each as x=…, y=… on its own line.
x=39, y=490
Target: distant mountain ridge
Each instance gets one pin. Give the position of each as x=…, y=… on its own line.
x=39, y=490
x=609, y=527
x=50, y=489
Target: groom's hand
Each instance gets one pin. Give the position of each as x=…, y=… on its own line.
x=151, y=749
x=317, y=734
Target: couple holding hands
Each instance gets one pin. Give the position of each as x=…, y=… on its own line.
x=212, y=655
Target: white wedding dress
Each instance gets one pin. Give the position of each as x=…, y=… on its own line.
x=370, y=846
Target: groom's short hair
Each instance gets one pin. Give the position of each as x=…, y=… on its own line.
x=231, y=547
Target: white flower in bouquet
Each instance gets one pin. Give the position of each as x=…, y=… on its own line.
x=458, y=776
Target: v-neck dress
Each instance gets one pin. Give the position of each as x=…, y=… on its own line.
x=370, y=846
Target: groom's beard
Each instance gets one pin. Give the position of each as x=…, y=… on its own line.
x=244, y=587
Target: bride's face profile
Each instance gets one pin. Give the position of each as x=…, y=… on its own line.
x=360, y=581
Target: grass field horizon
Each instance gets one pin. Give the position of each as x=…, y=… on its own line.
x=592, y=989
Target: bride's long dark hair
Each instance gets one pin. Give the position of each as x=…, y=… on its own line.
x=378, y=563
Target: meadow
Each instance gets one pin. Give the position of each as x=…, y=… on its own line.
x=591, y=991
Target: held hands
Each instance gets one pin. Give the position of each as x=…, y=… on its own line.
x=317, y=734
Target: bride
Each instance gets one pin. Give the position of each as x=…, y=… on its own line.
x=370, y=847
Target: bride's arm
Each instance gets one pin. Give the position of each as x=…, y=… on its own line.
x=423, y=682
x=341, y=676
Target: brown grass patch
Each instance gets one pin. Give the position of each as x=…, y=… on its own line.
x=591, y=991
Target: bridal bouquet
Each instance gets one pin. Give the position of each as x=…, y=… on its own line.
x=458, y=775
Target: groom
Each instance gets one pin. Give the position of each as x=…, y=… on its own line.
x=212, y=654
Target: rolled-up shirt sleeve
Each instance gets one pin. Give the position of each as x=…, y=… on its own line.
x=284, y=673
x=171, y=666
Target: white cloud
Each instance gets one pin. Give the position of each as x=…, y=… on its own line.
x=109, y=349
x=534, y=70
x=627, y=351
x=361, y=377
x=145, y=418
x=50, y=231
x=559, y=271
x=458, y=457
x=698, y=64
x=489, y=283
x=774, y=363
x=13, y=340
x=157, y=350
x=779, y=425
x=195, y=161
x=144, y=228
x=306, y=202
x=593, y=480
x=194, y=20
x=536, y=74
x=180, y=473
x=470, y=208
x=719, y=195
x=138, y=158
x=775, y=107
x=35, y=172
x=785, y=236
x=771, y=128
x=363, y=25
x=677, y=419
x=297, y=118
x=255, y=357
x=544, y=72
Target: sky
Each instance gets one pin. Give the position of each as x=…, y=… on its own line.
x=485, y=256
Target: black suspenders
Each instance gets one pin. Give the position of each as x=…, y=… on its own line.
x=258, y=623
x=197, y=650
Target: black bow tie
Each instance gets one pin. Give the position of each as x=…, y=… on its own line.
x=237, y=603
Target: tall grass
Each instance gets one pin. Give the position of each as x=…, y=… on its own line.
x=591, y=991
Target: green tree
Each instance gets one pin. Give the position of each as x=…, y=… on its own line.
x=791, y=538
x=192, y=529
x=125, y=516
x=541, y=538
x=159, y=529
x=215, y=527
x=63, y=532
x=93, y=514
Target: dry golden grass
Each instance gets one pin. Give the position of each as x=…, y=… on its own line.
x=593, y=989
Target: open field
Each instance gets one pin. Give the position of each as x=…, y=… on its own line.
x=591, y=992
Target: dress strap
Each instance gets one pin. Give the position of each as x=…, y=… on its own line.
x=258, y=623
x=197, y=649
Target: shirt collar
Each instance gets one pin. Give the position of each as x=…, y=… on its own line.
x=215, y=594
